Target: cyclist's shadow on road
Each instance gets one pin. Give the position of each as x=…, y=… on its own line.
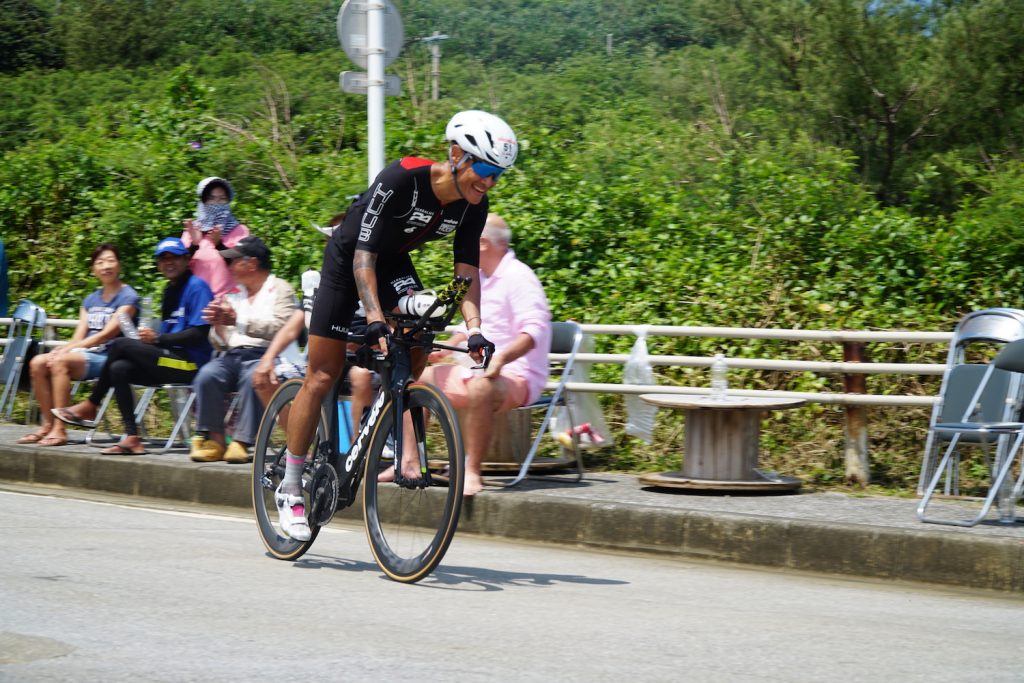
x=475, y=578
x=462, y=578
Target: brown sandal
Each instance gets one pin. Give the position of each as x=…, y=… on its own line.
x=118, y=449
x=34, y=437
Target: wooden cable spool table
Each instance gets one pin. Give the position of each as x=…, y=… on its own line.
x=721, y=443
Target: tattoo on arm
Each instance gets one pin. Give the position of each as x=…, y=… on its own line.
x=364, y=268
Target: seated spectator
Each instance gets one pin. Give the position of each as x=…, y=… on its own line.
x=84, y=355
x=170, y=356
x=517, y=319
x=213, y=230
x=244, y=324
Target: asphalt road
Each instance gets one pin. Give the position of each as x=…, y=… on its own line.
x=98, y=589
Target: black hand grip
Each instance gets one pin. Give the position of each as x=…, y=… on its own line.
x=376, y=330
x=477, y=343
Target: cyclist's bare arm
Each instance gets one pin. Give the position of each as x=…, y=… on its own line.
x=471, y=304
x=364, y=269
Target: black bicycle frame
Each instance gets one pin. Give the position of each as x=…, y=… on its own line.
x=396, y=374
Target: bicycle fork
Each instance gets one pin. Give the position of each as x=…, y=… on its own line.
x=398, y=380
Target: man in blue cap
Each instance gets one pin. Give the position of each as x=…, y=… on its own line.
x=171, y=355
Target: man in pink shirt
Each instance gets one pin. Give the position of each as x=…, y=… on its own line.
x=518, y=322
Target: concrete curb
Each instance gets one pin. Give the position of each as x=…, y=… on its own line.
x=847, y=549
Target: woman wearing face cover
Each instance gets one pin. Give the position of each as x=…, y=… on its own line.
x=213, y=229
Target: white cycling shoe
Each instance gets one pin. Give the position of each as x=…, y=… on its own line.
x=291, y=512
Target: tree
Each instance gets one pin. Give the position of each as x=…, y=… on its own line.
x=862, y=69
x=101, y=33
x=27, y=38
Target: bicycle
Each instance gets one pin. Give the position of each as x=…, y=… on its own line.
x=409, y=522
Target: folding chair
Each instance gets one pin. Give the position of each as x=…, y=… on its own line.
x=27, y=318
x=989, y=326
x=981, y=405
x=566, y=338
x=181, y=398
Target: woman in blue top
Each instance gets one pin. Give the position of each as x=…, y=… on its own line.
x=171, y=355
x=83, y=356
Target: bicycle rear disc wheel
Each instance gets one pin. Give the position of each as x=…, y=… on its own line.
x=410, y=527
x=268, y=470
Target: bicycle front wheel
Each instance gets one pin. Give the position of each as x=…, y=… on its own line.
x=268, y=470
x=409, y=526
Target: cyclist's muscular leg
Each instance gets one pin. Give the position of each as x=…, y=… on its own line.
x=326, y=360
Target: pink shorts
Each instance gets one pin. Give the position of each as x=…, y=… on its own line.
x=452, y=380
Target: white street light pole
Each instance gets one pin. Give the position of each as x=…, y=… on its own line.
x=375, y=88
x=371, y=33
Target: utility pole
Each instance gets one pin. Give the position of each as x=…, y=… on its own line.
x=434, y=41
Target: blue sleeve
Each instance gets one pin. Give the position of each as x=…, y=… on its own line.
x=198, y=297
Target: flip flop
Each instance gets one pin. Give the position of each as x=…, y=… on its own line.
x=118, y=449
x=67, y=417
x=53, y=441
x=31, y=438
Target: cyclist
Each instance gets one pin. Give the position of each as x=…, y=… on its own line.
x=410, y=202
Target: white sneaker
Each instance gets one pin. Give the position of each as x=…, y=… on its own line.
x=291, y=511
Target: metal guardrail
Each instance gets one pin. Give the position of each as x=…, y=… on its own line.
x=846, y=337
x=853, y=369
x=774, y=333
x=851, y=339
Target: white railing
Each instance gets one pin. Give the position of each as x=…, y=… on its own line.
x=852, y=340
x=855, y=399
x=846, y=368
x=853, y=369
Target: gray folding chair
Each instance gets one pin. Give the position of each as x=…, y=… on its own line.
x=27, y=318
x=993, y=326
x=981, y=406
x=566, y=338
x=181, y=398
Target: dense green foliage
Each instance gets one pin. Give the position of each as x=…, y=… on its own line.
x=832, y=164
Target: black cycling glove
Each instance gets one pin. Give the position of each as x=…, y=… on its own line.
x=376, y=330
x=477, y=343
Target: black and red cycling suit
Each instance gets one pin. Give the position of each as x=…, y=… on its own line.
x=398, y=213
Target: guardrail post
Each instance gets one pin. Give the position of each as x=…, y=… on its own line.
x=858, y=468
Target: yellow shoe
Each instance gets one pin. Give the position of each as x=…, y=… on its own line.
x=205, y=450
x=237, y=453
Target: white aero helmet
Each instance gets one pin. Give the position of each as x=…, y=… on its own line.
x=483, y=136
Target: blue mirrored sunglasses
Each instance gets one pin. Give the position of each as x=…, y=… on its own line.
x=486, y=170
